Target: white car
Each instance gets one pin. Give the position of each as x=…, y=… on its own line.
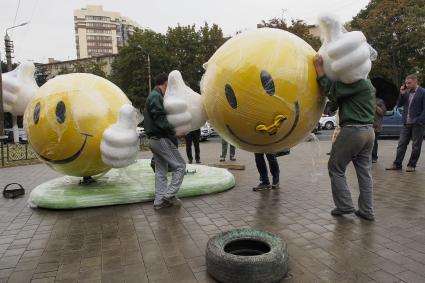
x=328, y=122
x=205, y=132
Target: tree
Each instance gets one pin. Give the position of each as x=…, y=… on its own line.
x=297, y=27
x=4, y=66
x=182, y=48
x=396, y=29
x=40, y=74
x=130, y=68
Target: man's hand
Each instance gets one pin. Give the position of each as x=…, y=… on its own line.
x=119, y=144
x=19, y=87
x=184, y=107
x=346, y=55
x=318, y=64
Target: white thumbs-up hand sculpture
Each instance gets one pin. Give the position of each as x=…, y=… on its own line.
x=18, y=87
x=119, y=142
x=346, y=55
x=184, y=107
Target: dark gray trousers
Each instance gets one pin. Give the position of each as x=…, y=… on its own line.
x=415, y=133
x=166, y=155
x=354, y=143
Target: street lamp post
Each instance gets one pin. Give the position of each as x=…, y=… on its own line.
x=9, y=46
x=9, y=49
x=149, y=66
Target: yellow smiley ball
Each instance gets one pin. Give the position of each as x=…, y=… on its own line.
x=260, y=90
x=66, y=119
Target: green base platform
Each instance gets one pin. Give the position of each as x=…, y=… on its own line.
x=128, y=185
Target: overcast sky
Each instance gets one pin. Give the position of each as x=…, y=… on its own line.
x=51, y=29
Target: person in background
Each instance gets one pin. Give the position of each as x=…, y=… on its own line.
x=193, y=137
x=163, y=144
x=354, y=143
x=262, y=169
x=224, y=144
x=412, y=99
x=377, y=126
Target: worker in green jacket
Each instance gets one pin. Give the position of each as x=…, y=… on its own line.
x=163, y=144
x=356, y=104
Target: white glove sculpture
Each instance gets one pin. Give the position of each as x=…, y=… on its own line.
x=346, y=55
x=119, y=142
x=184, y=107
x=18, y=87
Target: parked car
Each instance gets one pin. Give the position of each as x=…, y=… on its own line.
x=9, y=133
x=140, y=131
x=205, y=132
x=328, y=122
x=392, y=123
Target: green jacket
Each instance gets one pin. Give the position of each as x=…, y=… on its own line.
x=155, y=122
x=356, y=101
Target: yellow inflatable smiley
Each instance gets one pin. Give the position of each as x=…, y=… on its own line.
x=66, y=119
x=260, y=90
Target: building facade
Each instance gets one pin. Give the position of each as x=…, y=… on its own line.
x=54, y=68
x=99, y=32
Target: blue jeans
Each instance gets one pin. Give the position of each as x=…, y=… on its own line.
x=415, y=133
x=262, y=167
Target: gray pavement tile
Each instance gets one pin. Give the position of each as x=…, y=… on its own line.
x=134, y=243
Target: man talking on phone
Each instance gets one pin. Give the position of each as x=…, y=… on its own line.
x=412, y=99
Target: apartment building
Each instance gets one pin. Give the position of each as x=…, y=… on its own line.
x=99, y=32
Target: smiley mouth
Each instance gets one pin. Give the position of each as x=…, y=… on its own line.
x=71, y=158
x=294, y=125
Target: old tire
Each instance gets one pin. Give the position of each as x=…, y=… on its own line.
x=248, y=256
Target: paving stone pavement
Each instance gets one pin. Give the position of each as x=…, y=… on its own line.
x=134, y=243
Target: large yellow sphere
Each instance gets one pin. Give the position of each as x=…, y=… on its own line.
x=66, y=118
x=260, y=90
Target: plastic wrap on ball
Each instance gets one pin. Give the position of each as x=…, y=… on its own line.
x=66, y=119
x=260, y=90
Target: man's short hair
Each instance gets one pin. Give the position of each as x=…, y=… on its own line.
x=412, y=77
x=161, y=79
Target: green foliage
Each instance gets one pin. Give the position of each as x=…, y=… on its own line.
x=40, y=75
x=297, y=27
x=396, y=29
x=182, y=48
x=4, y=66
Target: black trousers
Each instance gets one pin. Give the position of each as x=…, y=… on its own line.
x=193, y=137
x=262, y=167
x=415, y=133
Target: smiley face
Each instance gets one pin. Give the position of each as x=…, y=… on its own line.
x=66, y=119
x=260, y=90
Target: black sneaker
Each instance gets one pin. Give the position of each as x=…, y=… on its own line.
x=261, y=187
x=172, y=200
x=163, y=204
x=339, y=212
x=275, y=185
x=394, y=167
x=232, y=159
x=198, y=161
x=364, y=216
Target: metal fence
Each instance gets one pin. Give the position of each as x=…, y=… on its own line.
x=13, y=152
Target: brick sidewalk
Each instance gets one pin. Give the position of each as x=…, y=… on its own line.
x=134, y=243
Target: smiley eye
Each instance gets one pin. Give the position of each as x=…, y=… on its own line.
x=231, y=97
x=60, y=112
x=267, y=82
x=36, y=116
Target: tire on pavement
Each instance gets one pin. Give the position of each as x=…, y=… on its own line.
x=248, y=256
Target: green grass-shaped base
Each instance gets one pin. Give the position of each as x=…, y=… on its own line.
x=135, y=183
